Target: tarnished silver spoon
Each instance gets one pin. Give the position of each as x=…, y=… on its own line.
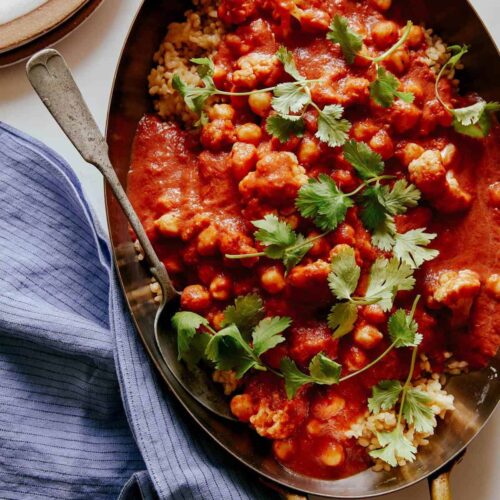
x=53, y=82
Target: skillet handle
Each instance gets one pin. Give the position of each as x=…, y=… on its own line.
x=53, y=82
x=439, y=482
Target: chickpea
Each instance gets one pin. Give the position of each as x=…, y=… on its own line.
x=448, y=154
x=344, y=234
x=416, y=37
x=338, y=249
x=208, y=241
x=242, y=407
x=410, y=152
x=374, y=314
x=320, y=246
x=414, y=88
x=273, y=280
x=283, y=449
x=169, y=225
x=314, y=427
x=243, y=159
x=218, y=320
x=344, y=179
x=309, y=151
x=364, y=130
x=367, y=336
x=385, y=34
x=492, y=285
x=221, y=112
x=314, y=21
x=382, y=144
x=404, y=116
x=173, y=264
x=494, y=194
x=399, y=61
x=333, y=455
x=195, y=298
x=381, y=4
x=260, y=103
x=221, y=288
x=355, y=359
x=249, y=132
x=326, y=409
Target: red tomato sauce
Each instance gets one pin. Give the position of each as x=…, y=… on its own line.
x=194, y=177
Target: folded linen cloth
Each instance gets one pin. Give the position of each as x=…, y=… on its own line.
x=82, y=414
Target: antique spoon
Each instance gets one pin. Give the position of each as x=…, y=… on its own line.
x=53, y=82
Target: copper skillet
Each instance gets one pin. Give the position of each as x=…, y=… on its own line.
x=476, y=394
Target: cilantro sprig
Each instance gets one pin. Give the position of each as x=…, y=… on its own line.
x=384, y=89
x=386, y=278
x=281, y=242
x=239, y=345
x=414, y=408
x=474, y=120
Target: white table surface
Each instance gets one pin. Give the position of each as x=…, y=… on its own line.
x=92, y=52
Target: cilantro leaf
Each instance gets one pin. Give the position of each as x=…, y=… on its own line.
x=344, y=276
x=285, y=56
x=285, y=126
x=394, y=446
x=384, y=89
x=387, y=277
x=290, y=98
x=281, y=241
x=187, y=323
x=402, y=329
x=400, y=197
x=349, y=41
x=206, y=66
x=246, y=312
x=383, y=235
x=366, y=162
x=417, y=412
x=267, y=334
x=321, y=200
x=294, y=254
x=457, y=52
x=385, y=395
x=323, y=371
x=374, y=212
x=194, y=97
x=342, y=318
x=332, y=129
x=475, y=121
x=410, y=247
x=229, y=351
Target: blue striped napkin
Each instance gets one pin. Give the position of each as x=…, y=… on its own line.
x=82, y=414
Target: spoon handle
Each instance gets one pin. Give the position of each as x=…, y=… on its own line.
x=53, y=82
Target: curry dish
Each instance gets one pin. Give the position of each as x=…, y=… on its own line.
x=328, y=201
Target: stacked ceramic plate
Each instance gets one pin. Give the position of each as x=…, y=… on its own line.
x=27, y=26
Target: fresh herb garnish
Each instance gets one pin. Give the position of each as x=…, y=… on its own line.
x=387, y=277
x=284, y=127
x=321, y=200
x=384, y=89
x=280, y=240
x=290, y=98
x=332, y=128
x=322, y=371
x=474, y=120
x=190, y=343
x=246, y=313
x=413, y=407
x=230, y=351
x=285, y=56
x=365, y=161
x=349, y=41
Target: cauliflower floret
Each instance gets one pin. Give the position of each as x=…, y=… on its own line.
x=429, y=174
x=277, y=423
x=228, y=380
x=276, y=179
x=256, y=68
x=236, y=11
x=457, y=291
